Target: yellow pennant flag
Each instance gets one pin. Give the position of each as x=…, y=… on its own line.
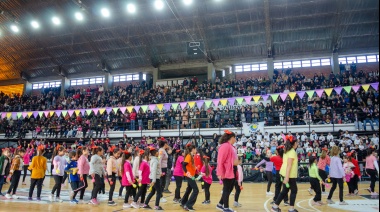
x=9, y=115
x=223, y=102
x=365, y=87
x=77, y=112
x=256, y=98
x=51, y=113
x=30, y=114
x=292, y=95
x=328, y=91
x=160, y=106
x=101, y=110
x=130, y=109
x=191, y=104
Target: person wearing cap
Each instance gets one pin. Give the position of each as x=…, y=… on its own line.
x=324, y=160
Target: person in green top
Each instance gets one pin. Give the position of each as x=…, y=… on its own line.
x=289, y=173
x=315, y=181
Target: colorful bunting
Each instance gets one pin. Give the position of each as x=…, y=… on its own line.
x=248, y=99
x=355, y=88
x=200, y=104
x=160, y=106
x=231, y=101
x=152, y=107
x=40, y=113
x=137, y=108
x=283, y=96
x=109, y=109
x=82, y=111
x=375, y=85
x=10, y=114
x=274, y=97
x=46, y=113
x=175, y=106
x=256, y=99
x=265, y=97
x=301, y=94
x=102, y=110
x=88, y=112
x=51, y=113
x=292, y=95
x=328, y=91
x=30, y=113
x=64, y=113
x=365, y=87
x=239, y=100
x=216, y=102
x=3, y=115
x=167, y=106
x=223, y=102
x=58, y=112
x=115, y=109
x=319, y=92
x=191, y=104
x=19, y=115
x=14, y=115
x=129, y=109
x=338, y=90
x=123, y=109
x=310, y=94
x=183, y=105
x=95, y=110
x=70, y=112
x=144, y=108
x=208, y=103
x=347, y=89
x=77, y=112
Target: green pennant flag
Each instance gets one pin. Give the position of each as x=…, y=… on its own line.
x=145, y=107
x=88, y=112
x=208, y=103
x=274, y=97
x=64, y=113
x=175, y=106
x=239, y=100
x=347, y=89
x=115, y=109
x=19, y=115
x=310, y=93
x=40, y=114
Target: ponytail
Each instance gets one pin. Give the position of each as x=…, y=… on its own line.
x=189, y=148
x=206, y=164
x=126, y=156
x=80, y=151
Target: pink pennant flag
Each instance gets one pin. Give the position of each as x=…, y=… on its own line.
x=265, y=97
x=95, y=110
x=183, y=105
x=375, y=85
x=248, y=99
x=338, y=90
x=152, y=107
x=200, y=104
x=3, y=115
x=35, y=114
x=122, y=109
x=24, y=114
x=109, y=109
x=70, y=112
x=167, y=106
x=356, y=88
x=231, y=101
x=137, y=108
x=58, y=112
x=301, y=94
x=46, y=113
x=216, y=102
x=319, y=92
x=283, y=96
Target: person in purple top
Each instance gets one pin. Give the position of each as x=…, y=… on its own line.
x=268, y=170
x=336, y=175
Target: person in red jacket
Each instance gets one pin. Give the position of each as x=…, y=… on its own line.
x=133, y=116
x=199, y=163
x=358, y=175
x=277, y=162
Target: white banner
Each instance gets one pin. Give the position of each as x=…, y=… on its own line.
x=249, y=128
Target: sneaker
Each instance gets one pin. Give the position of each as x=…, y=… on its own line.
x=146, y=207
x=228, y=210
x=14, y=196
x=30, y=199
x=188, y=208
x=158, y=208
x=329, y=201
x=135, y=205
x=236, y=204
x=316, y=203
x=356, y=192
x=51, y=198
x=275, y=209
x=73, y=202
x=374, y=194
x=310, y=191
x=111, y=203
x=38, y=199
x=325, y=193
x=126, y=205
x=94, y=202
x=219, y=207
x=206, y=202
x=286, y=203
x=294, y=210
x=167, y=191
x=58, y=199
x=141, y=205
x=176, y=201
x=270, y=193
x=343, y=203
x=163, y=200
x=8, y=196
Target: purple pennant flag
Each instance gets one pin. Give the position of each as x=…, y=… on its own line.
x=248, y=99
x=14, y=115
x=152, y=107
x=82, y=111
x=70, y=112
x=58, y=112
x=301, y=94
x=338, y=90
x=137, y=108
x=356, y=88
x=283, y=96
x=200, y=104
x=183, y=105
x=319, y=92
x=109, y=109
x=167, y=106
x=231, y=101
x=265, y=97
x=375, y=85
x=35, y=114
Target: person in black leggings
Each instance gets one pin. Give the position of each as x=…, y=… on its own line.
x=372, y=169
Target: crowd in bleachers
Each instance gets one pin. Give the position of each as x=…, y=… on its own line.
x=359, y=107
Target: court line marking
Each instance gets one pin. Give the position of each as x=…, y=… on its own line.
x=313, y=206
x=298, y=205
x=265, y=205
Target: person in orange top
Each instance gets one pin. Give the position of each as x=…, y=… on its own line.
x=38, y=168
x=189, y=169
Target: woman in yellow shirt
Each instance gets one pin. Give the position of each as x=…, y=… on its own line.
x=38, y=168
x=289, y=173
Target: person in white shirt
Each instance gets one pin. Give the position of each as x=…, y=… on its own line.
x=266, y=136
x=244, y=139
x=266, y=143
x=303, y=137
x=249, y=144
x=375, y=140
x=313, y=136
x=332, y=143
x=353, y=136
x=274, y=136
x=259, y=137
x=298, y=136
x=322, y=138
x=330, y=137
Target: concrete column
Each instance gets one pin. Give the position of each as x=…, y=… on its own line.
x=335, y=63
x=27, y=88
x=65, y=84
x=108, y=81
x=211, y=75
x=156, y=76
x=231, y=72
x=140, y=77
x=270, y=67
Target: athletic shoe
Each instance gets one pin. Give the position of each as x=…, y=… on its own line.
x=38, y=199
x=316, y=203
x=228, y=210
x=111, y=203
x=94, y=202
x=73, y=202
x=135, y=205
x=275, y=209
x=147, y=207
x=270, y=193
x=356, y=192
x=219, y=207
x=236, y=204
x=294, y=210
x=320, y=202
x=158, y=208
x=30, y=199
x=167, y=191
x=325, y=193
x=126, y=205
x=310, y=191
x=141, y=205
x=188, y=209
x=176, y=201
x=163, y=200
x=286, y=203
x=14, y=196
x=329, y=201
x=343, y=203
x=8, y=196
x=51, y=198
x=206, y=202
x=374, y=194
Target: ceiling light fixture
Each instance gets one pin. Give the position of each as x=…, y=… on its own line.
x=105, y=12
x=79, y=16
x=56, y=20
x=35, y=24
x=131, y=8
x=159, y=4
x=15, y=28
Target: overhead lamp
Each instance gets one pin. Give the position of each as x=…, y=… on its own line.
x=105, y=12
x=79, y=16
x=56, y=20
x=159, y=4
x=35, y=24
x=187, y=2
x=15, y=28
x=131, y=8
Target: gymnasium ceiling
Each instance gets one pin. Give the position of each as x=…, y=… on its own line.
x=229, y=29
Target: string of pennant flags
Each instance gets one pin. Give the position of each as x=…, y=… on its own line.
x=190, y=104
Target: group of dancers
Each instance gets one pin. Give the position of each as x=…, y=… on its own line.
x=142, y=173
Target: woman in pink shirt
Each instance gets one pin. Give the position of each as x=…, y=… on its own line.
x=206, y=172
x=372, y=169
x=83, y=169
x=144, y=181
x=227, y=159
x=323, y=161
x=178, y=175
x=127, y=177
x=26, y=159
